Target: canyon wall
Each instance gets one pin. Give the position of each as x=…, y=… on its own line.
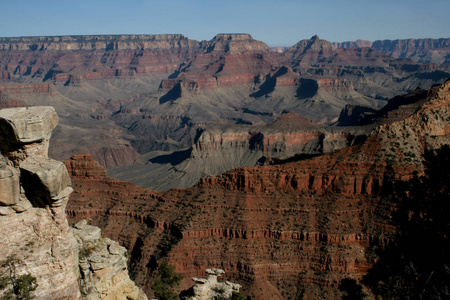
x=218, y=149
x=292, y=230
x=151, y=96
x=420, y=50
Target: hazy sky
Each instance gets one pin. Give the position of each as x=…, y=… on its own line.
x=275, y=22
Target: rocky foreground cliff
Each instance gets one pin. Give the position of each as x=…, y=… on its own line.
x=291, y=230
x=35, y=235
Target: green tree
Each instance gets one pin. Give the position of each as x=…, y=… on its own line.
x=238, y=296
x=16, y=286
x=165, y=282
x=416, y=265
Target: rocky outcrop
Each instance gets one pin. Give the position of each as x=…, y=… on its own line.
x=103, y=266
x=290, y=134
x=313, y=45
x=82, y=165
x=209, y=288
x=34, y=192
x=234, y=43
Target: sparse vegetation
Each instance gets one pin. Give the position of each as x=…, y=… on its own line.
x=238, y=296
x=165, y=282
x=16, y=286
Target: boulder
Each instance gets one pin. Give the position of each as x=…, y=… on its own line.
x=209, y=288
x=9, y=185
x=27, y=124
x=44, y=179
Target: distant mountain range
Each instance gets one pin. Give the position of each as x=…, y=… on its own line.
x=421, y=50
x=147, y=102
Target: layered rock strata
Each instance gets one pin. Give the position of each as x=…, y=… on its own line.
x=283, y=231
x=103, y=266
x=222, y=148
x=34, y=192
x=149, y=93
x=421, y=50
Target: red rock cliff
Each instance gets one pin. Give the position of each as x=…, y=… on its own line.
x=281, y=231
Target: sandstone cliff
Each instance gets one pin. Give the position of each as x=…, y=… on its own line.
x=34, y=194
x=34, y=191
x=421, y=50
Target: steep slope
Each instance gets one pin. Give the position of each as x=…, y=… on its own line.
x=420, y=50
x=247, y=221
x=396, y=109
x=221, y=148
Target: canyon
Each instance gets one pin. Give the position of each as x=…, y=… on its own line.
x=287, y=229
x=270, y=164
x=153, y=97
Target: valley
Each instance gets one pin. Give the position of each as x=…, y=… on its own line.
x=133, y=101
x=280, y=166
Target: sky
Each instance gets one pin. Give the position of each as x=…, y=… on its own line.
x=275, y=22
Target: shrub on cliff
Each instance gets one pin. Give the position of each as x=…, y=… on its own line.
x=416, y=265
x=16, y=286
x=165, y=282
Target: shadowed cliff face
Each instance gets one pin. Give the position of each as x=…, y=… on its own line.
x=281, y=231
x=221, y=148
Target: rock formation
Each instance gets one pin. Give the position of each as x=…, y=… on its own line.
x=281, y=231
x=34, y=191
x=209, y=288
x=151, y=95
x=420, y=50
x=222, y=148
x=103, y=266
